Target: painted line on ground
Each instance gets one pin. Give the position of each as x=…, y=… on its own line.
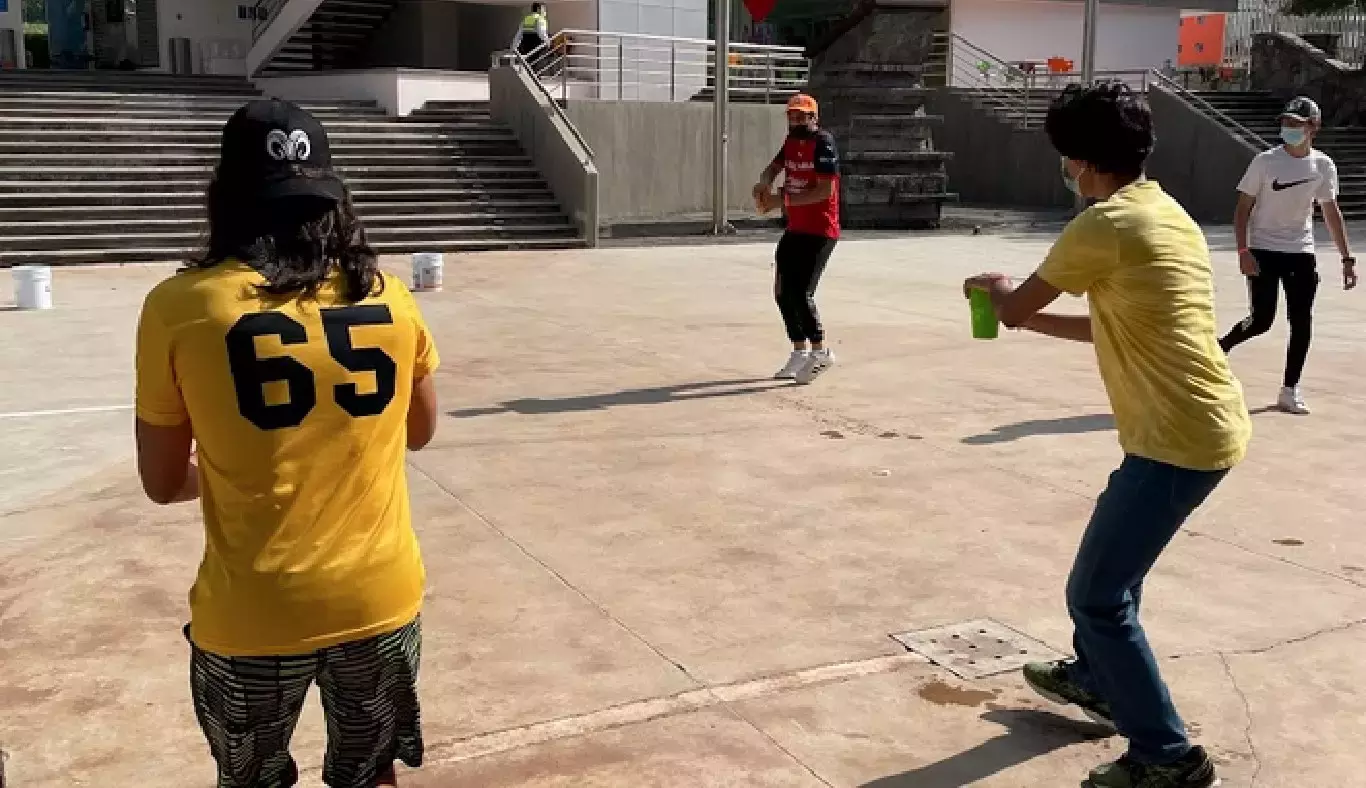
x=29, y=414
x=636, y=712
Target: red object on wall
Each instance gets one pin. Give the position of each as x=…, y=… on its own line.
x=760, y=8
x=1201, y=41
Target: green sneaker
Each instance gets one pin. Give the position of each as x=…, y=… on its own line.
x=1053, y=681
x=1194, y=770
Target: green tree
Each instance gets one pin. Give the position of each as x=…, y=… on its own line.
x=35, y=10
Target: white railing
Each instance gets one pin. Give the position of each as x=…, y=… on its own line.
x=1347, y=30
x=632, y=66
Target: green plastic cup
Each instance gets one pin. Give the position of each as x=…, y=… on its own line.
x=984, y=322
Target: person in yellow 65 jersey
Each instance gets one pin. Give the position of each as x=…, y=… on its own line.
x=298, y=375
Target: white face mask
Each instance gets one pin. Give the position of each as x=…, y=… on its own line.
x=1293, y=136
x=1073, y=184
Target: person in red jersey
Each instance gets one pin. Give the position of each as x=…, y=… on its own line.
x=810, y=165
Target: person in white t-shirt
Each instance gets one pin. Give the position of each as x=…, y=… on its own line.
x=1274, y=227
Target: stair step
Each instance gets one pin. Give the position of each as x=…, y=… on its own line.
x=380, y=210
x=197, y=223
x=114, y=122
x=205, y=159
x=896, y=155
x=93, y=170
x=537, y=206
x=123, y=103
x=10, y=173
x=456, y=231
x=181, y=253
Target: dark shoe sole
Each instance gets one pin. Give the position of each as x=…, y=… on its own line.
x=1095, y=716
x=1217, y=782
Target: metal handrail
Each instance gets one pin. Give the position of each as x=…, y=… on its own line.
x=663, y=65
x=962, y=68
x=1209, y=110
x=263, y=12
x=555, y=105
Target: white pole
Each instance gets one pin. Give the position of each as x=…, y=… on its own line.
x=721, y=134
x=1088, y=59
x=1088, y=41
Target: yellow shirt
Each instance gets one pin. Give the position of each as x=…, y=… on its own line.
x=1144, y=266
x=299, y=409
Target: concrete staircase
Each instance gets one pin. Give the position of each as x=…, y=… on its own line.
x=112, y=168
x=333, y=36
x=1259, y=113
x=891, y=175
x=1015, y=110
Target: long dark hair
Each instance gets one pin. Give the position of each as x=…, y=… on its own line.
x=294, y=243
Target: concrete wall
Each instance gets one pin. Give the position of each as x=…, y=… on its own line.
x=994, y=163
x=399, y=91
x=12, y=19
x=572, y=14
x=1287, y=66
x=683, y=18
x=209, y=24
x=1128, y=36
x=483, y=30
x=655, y=158
x=379, y=86
x=399, y=41
x=566, y=164
x=1196, y=160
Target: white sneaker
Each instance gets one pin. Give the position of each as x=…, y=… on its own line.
x=818, y=362
x=794, y=364
x=1291, y=401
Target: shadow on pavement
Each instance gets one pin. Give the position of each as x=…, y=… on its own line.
x=1069, y=425
x=1029, y=734
x=650, y=396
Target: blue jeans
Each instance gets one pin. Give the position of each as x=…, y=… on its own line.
x=1136, y=516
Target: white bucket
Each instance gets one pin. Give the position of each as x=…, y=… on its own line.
x=428, y=270
x=33, y=286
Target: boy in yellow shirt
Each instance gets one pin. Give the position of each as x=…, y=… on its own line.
x=1145, y=269
x=301, y=375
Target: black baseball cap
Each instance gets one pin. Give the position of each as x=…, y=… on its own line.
x=1302, y=108
x=274, y=150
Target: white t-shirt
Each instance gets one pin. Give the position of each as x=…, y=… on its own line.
x=1286, y=188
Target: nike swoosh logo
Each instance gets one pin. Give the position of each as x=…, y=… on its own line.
x=1277, y=186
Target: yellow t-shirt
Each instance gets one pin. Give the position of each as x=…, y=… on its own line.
x=299, y=409
x=1144, y=266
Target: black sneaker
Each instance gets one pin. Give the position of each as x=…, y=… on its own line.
x=1054, y=681
x=1193, y=770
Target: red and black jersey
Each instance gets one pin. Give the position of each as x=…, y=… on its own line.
x=804, y=160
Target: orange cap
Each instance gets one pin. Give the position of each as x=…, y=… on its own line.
x=803, y=103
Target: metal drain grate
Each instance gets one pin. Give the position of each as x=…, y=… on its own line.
x=976, y=649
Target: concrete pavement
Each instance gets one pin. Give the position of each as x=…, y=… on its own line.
x=650, y=565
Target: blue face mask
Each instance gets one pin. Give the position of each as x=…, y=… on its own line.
x=1293, y=136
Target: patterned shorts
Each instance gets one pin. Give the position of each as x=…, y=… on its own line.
x=248, y=707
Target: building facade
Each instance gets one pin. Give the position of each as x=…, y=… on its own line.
x=231, y=36
x=217, y=36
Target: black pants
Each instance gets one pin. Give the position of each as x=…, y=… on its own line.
x=801, y=261
x=1297, y=273
x=530, y=43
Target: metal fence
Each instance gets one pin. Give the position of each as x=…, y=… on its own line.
x=1341, y=34
x=631, y=66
